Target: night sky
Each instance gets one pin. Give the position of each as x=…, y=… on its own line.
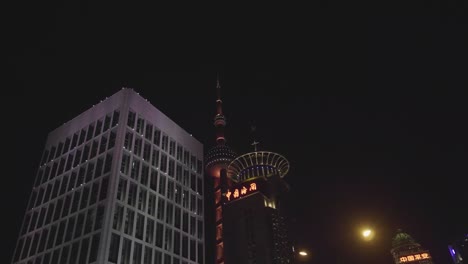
x=370, y=111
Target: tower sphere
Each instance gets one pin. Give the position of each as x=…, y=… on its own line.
x=217, y=158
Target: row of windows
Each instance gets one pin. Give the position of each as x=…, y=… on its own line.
x=76, y=158
x=168, y=213
x=80, y=252
x=151, y=153
x=125, y=251
x=155, y=136
x=144, y=199
x=76, y=228
x=65, y=206
x=140, y=171
x=86, y=173
x=92, y=131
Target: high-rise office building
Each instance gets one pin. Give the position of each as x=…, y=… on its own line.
x=254, y=226
x=120, y=183
x=458, y=250
x=406, y=250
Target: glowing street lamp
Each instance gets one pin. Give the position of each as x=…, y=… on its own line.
x=303, y=253
x=367, y=234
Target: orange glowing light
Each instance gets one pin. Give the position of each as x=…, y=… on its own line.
x=244, y=190
x=414, y=257
x=240, y=191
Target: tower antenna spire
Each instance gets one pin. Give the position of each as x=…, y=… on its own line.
x=253, y=129
x=219, y=120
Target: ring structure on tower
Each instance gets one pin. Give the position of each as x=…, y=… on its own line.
x=257, y=164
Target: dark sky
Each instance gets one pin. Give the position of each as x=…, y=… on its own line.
x=369, y=110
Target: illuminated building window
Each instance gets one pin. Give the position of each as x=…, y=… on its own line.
x=219, y=231
x=219, y=213
x=219, y=251
x=217, y=196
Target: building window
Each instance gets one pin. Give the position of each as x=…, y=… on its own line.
x=185, y=220
x=171, y=168
x=137, y=252
x=153, y=180
x=125, y=165
x=128, y=142
x=149, y=132
x=142, y=200
x=140, y=225
x=126, y=247
x=115, y=118
x=159, y=235
x=179, y=153
x=90, y=216
x=151, y=204
x=165, y=142
x=84, y=251
x=161, y=205
x=149, y=237
x=147, y=152
x=118, y=217
x=138, y=146
x=177, y=216
x=148, y=255
x=135, y=169
x=184, y=246
x=169, y=213
x=107, y=121
x=140, y=125
x=157, y=137
x=172, y=148
x=129, y=218
x=155, y=158
x=162, y=185
x=163, y=162
x=94, y=248
x=97, y=131
x=144, y=175
x=132, y=194
x=131, y=119
x=176, y=243
x=90, y=132
x=168, y=240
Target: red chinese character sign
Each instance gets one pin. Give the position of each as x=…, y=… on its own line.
x=241, y=191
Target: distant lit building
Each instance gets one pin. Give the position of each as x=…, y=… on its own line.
x=119, y=183
x=254, y=228
x=458, y=250
x=406, y=250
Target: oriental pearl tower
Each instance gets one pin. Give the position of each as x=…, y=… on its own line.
x=216, y=162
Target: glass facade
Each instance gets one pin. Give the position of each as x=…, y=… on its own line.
x=153, y=197
x=64, y=217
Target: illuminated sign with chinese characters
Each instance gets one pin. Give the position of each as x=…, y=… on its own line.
x=414, y=257
x=240, y=191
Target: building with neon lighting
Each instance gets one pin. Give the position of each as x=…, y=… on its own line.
x=406, y=250
x=119, y=183
x=217, y=160
x=458, y=250
x=254, y=228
